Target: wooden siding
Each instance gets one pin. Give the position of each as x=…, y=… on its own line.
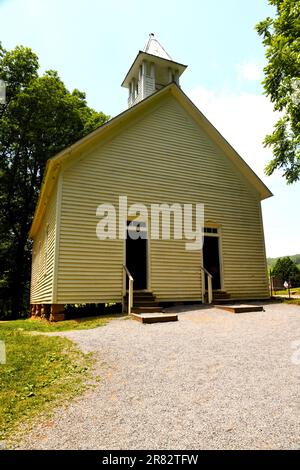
x=43, y=256
x=164, y=157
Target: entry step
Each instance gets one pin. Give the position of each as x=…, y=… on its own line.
x=146, y=309
x=156, y=317
x=240, y=308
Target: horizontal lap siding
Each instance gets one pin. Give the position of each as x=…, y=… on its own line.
x=90, y=270
x=175, y=271
x=162, y=158
x=43, y=254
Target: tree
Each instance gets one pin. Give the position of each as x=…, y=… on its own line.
x=40, y=118
x=286, y=270
x=281, y=37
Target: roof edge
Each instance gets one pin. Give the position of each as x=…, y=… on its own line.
x=53, y=164
x=238, y=160
x=156, y=57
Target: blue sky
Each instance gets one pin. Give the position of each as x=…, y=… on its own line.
x=92, y=43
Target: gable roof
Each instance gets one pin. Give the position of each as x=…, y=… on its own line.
x=54, y=164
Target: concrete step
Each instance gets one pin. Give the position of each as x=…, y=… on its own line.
x=240, y=308
x=154, y=317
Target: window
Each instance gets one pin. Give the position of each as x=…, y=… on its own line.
x=210, y=230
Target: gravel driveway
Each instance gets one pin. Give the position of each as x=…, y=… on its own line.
x=212, y=380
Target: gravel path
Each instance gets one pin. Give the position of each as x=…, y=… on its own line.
x=211, y=380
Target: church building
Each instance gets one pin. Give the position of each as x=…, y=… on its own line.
x=160, y=151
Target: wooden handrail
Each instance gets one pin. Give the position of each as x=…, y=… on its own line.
x=127, y=272
x=130, y=290
x=209, y=282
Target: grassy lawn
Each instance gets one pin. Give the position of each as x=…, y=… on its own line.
x=40, y=371
x=293, y=290
x=47, y=327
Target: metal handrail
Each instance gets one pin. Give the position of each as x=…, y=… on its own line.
x=130, y=290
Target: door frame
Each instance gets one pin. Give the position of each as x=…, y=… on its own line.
x=220, y=249
x=148, y=251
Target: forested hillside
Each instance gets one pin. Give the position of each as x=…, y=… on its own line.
x=271, y=261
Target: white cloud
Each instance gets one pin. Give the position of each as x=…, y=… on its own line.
x=249, y=71
x=243, y=119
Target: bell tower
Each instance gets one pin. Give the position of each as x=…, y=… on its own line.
x=151, y=70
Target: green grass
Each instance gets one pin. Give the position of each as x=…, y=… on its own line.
x=47, y=327
x=40, y=371
x=293, y=290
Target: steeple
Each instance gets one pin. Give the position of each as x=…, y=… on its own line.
x=152, y=69
x=153, y=47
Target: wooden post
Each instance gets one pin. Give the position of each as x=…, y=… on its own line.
x=57, y=312
x=43, y=311
x=130, y=295
x=38, y=310
x=210, y=292
x=32, y=310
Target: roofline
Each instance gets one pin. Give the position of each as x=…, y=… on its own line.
x=53, y=164
x=154, y=56
x=266, y=193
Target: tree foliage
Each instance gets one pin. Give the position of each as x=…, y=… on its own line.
x=286, y=269
x=40, y=118
x=281, y=37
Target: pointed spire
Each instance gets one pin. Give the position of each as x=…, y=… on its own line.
x=154, y=47
x=151, y=70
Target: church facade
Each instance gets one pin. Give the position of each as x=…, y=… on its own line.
x=160, y=151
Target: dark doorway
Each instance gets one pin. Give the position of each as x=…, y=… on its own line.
x=211, y=260
x=136, y=261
